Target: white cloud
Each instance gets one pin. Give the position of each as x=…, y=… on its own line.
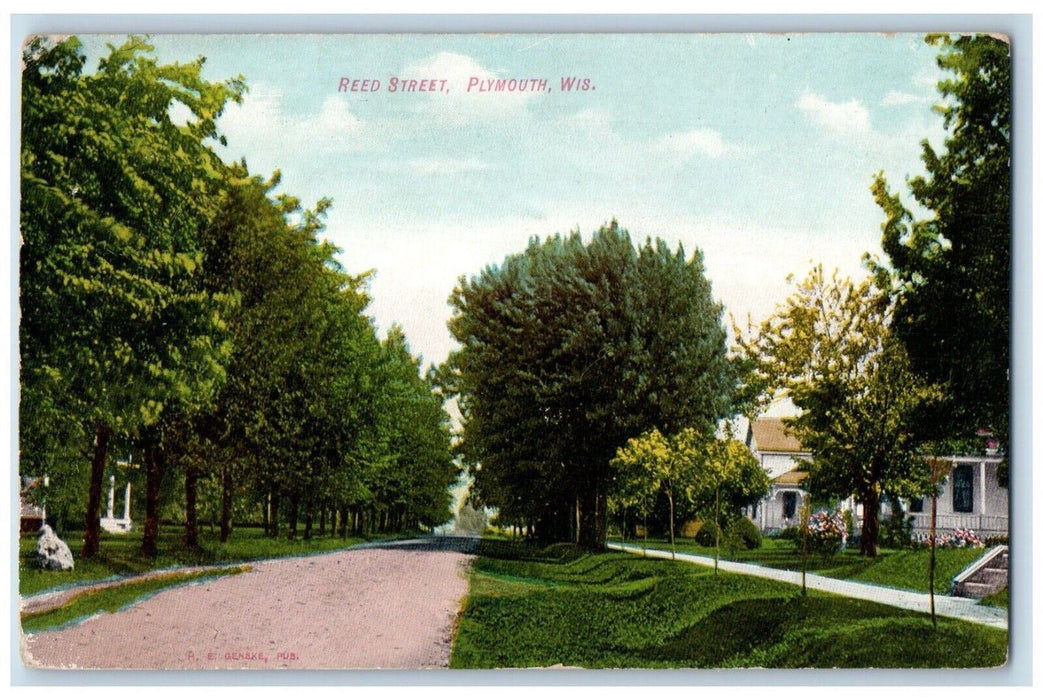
x=895, y=98
x=418, y=264
x=589, y=119
x=457, y=106
x=840, y=117
x=698, y=142
x=261, y=125
x=435, y=166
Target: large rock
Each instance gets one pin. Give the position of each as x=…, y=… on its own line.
x=51, y=552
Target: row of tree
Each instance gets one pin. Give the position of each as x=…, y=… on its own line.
x=173, y=307
x=569, y=349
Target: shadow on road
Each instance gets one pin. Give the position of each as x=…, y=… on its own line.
x=433, y=543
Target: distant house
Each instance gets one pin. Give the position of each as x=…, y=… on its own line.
x=971, y=495
x=780, y=455
x=32, y=516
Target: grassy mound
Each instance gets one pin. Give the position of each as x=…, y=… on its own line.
x=613, y=610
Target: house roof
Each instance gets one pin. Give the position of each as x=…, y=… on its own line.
x=791, y=478
x=770, y=435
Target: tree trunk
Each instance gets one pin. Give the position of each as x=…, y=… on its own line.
x=670, y=497
x=273, y=519
x=934, y=526
x=578, y=526
x=191, y=511
x=717, y=526
x=291, y=525
x=226, y=502
x=309, y=516
x=153, y=477
x=644, y=542
x=870, y=498
x=322, y=521
x=91, y=526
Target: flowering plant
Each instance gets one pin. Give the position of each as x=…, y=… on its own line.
x=958, y=538
x=827, y=532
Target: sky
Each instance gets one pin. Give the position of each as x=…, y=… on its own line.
x=757, y=149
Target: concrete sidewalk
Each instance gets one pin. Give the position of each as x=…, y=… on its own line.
x=945, y=606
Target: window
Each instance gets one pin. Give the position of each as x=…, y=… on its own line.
x=963, y=488
x=916, y=505
x=789, y=504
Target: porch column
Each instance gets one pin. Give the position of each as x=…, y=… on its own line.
x=982, y=482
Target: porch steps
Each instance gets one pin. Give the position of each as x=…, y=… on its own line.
x=987, y=575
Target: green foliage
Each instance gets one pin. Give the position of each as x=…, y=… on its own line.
x=172, y=305
x=115, y=325
x=831, y=350
x=618, y=611
x=951, y=270
x=707, y=534
x=115, y=598
x=897, y=530
x=789, y=534
x=746, y=533
x=569, y=349
x=997, y=600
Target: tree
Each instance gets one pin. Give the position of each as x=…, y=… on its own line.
x=723, y=469
x=569, y=349
x=952, y=269
x=831, y=350
x=115, y=328
x=693, y=467
x=633, y=486
x=649, y=463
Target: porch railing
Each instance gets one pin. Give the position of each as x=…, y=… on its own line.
x=983, y=525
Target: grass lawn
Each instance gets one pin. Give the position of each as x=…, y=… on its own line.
x=113, y=599
x=1000, y=599
x=905, y=568
x=120, y=556
x=529, y=607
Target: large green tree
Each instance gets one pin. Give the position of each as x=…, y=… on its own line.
x=115, y=325
x=831, y=350
x=568, y=350
x=952, y=267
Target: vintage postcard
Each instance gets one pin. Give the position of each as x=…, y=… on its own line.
x=471, y=351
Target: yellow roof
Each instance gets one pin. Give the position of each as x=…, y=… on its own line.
x=771, y=435
x=790, y=478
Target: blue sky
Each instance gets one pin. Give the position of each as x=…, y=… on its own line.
x=757, y=149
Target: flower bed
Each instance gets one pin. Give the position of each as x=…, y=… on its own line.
x=959, y=538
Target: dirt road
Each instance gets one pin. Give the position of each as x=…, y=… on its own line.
x=388, y=606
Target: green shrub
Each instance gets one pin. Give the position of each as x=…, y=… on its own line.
x=707, y=535
x=744, y=530
x=791, y=533
x=897, y=530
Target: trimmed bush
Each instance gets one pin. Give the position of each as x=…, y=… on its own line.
x=707, y=535
x=745, y=530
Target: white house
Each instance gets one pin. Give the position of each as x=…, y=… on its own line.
x=971, y=496
x=780, y=454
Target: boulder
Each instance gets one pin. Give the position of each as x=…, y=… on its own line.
x=51, y=552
